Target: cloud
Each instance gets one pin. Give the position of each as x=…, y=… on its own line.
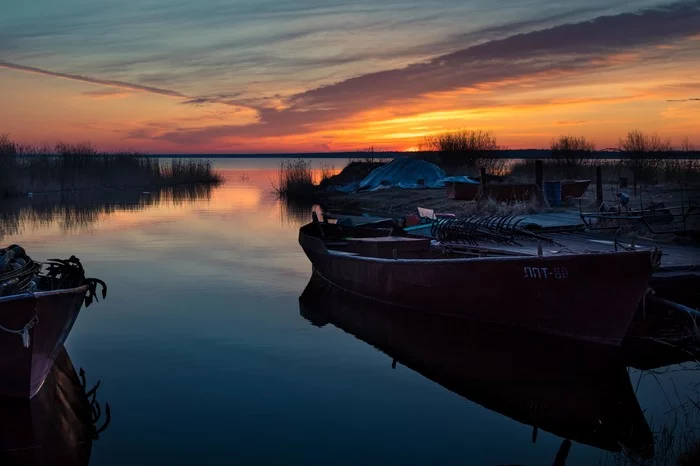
x=570, y=48
x=572, y=123
x=684, y=100
x=119, y=86
x=88, y=80
x=140, y=134
x=197, y=101
x=108, y=93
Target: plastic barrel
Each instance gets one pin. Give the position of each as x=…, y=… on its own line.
x=552, y=192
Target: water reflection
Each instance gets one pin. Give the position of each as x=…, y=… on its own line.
x=296, y=212
x=74, y=210
x=57, y=426
x=578, y=392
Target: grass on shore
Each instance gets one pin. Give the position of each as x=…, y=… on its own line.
x=666, y=171
x=296, y=180
x=25, y=169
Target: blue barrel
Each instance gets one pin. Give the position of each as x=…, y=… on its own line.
x=552, y=192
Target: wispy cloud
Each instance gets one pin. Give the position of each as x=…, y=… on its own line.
x=88, y=80
x=572, y=123
x=684, y=100
x=572, y=48
x=107, y=93
x=117, y=87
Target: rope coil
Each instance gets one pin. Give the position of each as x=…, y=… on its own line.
x=24, y=331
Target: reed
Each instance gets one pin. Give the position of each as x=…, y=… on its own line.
x=67, y=167
x=683, y=171
x=296, y=180
x=558, y=169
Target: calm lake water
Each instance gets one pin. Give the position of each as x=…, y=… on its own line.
x=207, y=356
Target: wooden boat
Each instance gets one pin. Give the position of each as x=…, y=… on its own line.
x=49, y=317
x=589, y=296
x=57, y=426
x=36, y=316
x=574, y=390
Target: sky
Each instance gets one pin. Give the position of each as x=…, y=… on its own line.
x=257, y=76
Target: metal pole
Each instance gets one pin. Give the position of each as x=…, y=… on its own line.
x=599, y=186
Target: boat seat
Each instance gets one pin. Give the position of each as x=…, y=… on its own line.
x=335, y=244
x=385, y=246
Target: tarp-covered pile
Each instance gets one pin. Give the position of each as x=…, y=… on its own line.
x=403, y=172
x=406, y=173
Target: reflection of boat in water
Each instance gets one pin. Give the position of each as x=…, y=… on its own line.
x=577, y=391
x=57, y=426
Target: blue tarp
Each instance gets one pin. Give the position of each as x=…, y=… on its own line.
x=458, y=179
x=403, y=172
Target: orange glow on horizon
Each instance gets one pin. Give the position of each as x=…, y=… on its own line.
x=524, y=112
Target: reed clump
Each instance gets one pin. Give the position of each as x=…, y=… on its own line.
x=296, y=180
x=64, y=167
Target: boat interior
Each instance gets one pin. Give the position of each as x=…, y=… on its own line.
x=395, y=243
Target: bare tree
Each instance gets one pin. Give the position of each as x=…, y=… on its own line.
x=7, y=146
x=686, y=145
x=643, y=152
x=460, y=147
x=571, y=151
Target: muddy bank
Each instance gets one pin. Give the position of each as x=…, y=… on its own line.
x=400, y=202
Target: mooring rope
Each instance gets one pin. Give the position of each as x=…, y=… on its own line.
x=24, y=331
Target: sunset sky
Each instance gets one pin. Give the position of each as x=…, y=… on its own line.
x=251, y=76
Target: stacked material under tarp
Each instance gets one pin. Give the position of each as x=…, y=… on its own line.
x=404, y=172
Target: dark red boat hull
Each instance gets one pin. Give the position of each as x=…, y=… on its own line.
x=591, y=297
x=25, y=369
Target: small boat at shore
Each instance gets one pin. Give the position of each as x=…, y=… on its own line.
x=590, y=295
x=39, y=303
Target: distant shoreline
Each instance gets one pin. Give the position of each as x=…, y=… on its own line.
x=506, y=154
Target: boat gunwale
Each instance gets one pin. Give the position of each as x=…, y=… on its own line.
x=458, y=260
x=42, y=294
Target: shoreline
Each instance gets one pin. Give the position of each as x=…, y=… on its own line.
x=524, y=154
